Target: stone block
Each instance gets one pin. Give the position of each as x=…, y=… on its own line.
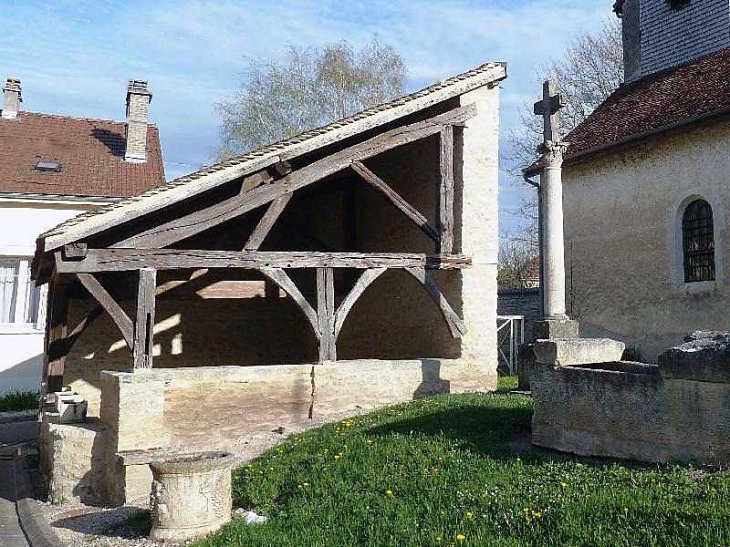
x=556, y=328
x=70, y=407
x=577, y=351
x=704, y=357
x=525, y=366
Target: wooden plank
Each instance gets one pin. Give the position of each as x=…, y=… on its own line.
x=267, y=222
x=56, y=338
x=406, y=208
x=365, y=280
x=118, y=260
x=144, y=323
x=455, y=323
x=446, y=191
x=326, y=314
x=279, y=276
x=118, y=315
x=194, y=223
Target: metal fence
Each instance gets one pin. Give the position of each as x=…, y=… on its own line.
x=510, y=335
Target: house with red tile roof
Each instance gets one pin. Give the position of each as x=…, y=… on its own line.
x=53, y=168
x=646, y=183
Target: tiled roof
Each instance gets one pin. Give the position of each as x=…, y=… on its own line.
x=88, y=223
x=90, y=154
x=657, y=102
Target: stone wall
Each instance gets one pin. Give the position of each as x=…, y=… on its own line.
x=521, y=302
x=624, y=277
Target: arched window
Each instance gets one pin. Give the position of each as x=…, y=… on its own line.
x=698, y=242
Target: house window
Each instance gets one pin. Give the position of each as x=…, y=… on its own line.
x=20, y=299
x=698, y=242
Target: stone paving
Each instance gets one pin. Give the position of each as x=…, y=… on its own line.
x=11, y=534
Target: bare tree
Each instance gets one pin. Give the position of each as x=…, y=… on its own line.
x=589, y=71
x=519, y=264
x=311, y=87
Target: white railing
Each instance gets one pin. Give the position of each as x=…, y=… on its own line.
x=510, y=336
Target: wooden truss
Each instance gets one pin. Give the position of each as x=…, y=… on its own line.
x=149, y=250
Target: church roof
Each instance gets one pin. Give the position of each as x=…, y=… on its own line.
x=184, y=187
x=654, y=104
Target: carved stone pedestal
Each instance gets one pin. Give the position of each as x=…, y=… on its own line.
x=191, y=495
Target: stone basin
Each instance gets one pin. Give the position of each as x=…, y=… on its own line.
x=191, y=495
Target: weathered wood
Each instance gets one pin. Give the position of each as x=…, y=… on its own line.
x=446, y=191
x=194, y=223
x=279, y=276
x=57, y=332
x=117, y=260
x=102, y=296
x=326, y=314
x=406, y=208
x=267, y=222
x=365, y=280
x=144, y=323
x=455, y=323
x=74, y=250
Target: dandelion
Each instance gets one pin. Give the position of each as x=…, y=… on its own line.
x=469, y=515
x=389, y=493
x=439, y=538
x=564, y=484
x=460, y=537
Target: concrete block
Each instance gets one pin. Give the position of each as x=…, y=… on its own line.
x=577, y=351
x=704, y=357
x=550, y=329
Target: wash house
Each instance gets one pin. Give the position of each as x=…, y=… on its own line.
x=348, y=267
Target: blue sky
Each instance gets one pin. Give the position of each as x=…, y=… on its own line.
x=75, y=56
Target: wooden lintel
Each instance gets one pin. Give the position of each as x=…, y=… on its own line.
x=145, y=319
x=267, y=222
x=118, y=260
x=446, y=191
x=406, y=208
x=454, y=322
x=365, y=280
x=182, y=228
x=326, y=314
x=102, y=296
x=279, y=276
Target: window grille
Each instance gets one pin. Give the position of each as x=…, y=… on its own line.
x=698, y=238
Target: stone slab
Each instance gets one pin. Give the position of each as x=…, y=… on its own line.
x=577, y=351
x=556, y=328
x=704, y=357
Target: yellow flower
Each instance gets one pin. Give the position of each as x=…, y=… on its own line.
x=537, y=515
x=460, y=537
x=389, y=493
x=337, y=456
x=439, y=538
x=469, y=515
x=564, y=484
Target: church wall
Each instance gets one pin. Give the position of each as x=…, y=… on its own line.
x=620, y=239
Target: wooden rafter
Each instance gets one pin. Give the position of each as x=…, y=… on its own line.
x=102, y=296
x=117, y=260
x=446, y=190
x=279, y=276
x=267, y=222
x=326, y=314
x=145, y=319
x=456, y=325
x=406, y=208
x=194, y=223
x=365, y=280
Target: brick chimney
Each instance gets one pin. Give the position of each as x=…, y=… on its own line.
x=12, y=99
x=138, y=102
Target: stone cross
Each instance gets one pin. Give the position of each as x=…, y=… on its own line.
x=548, y=108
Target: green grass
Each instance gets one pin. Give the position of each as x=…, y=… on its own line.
x=458, y=470
x=18, y=400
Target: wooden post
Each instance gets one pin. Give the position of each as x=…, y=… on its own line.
x=145, y=320
x=326, y=314
x=446, y=191
x=56, y=348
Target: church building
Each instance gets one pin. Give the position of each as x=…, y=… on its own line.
x=646, y=181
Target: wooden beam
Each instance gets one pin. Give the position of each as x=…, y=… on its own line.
x=144, y=323
x=365, y=280
x=456, y=325
x=56, y=338
x=267, y=222
x=326, y=314
x=446, y=191
x=279, y=276
x=406, y=208
x=176, y=230
x=118, y=260
x=118, y=315
x=81, y=326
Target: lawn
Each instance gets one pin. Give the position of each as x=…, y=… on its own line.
x=18, y=400
x=458, y=470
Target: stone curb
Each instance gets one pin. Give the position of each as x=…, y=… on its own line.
x=34, y=524
x=20, y=416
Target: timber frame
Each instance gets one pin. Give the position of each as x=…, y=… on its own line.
x=148, y=248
